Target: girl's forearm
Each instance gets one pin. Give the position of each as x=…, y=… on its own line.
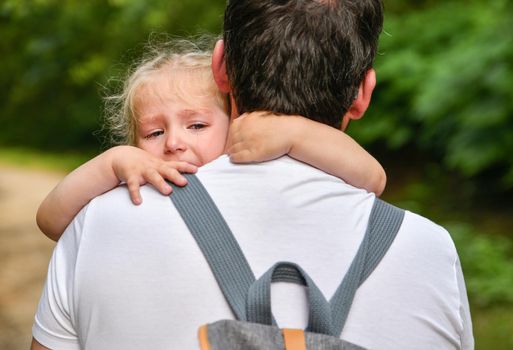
x=336, y=153
x=65, y=201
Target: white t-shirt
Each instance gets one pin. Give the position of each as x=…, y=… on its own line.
x=132, y=277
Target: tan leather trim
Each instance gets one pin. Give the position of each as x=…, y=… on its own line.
x=294, y=339
x=203, y=338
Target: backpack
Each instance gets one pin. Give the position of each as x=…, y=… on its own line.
x=250, y=298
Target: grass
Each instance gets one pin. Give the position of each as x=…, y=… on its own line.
x=493, y=328
x=33, y=159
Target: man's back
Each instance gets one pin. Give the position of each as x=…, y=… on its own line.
x=133, y=277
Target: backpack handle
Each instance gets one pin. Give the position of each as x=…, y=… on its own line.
x=258, y=302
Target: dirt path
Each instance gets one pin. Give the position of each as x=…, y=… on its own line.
x=24, y=252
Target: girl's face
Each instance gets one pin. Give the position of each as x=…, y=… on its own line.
x=180, y=121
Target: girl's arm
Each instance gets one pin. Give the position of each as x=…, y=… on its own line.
x=101, y=174
x=261, y=136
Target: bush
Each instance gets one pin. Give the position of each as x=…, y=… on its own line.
x=56, y=55
x=487, y=263
x=445, y=86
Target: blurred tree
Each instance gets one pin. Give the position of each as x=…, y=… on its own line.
x=445, y=85
x=55, y=52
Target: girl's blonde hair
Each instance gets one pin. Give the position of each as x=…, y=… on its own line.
x=120, y=113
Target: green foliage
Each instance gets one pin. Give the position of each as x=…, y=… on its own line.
x=487, y=263
x=445, y=86
x=57, y=54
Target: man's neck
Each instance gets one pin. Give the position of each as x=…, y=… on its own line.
x=234, y=112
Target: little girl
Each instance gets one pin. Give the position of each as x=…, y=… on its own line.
x=172, y=119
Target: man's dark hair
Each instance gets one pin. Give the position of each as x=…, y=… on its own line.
x=302, y=57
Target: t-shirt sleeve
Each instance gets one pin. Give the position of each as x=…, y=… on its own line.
x=467, y=338
x=54, y=325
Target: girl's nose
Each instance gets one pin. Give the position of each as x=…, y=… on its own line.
x=175, y=143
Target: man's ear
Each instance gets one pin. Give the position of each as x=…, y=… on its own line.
x=219, y=68
x=362, y=101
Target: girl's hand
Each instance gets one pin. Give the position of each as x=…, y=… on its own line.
x=137, y=167
x=260, y=136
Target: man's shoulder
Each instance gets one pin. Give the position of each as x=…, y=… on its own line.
x=424, y=236
x=423, y=224
x=121, y=194
x=223, y=163
x=280, y=169
x=117, y=203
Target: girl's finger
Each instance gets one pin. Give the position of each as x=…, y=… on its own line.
x=133, y=190
x=174, y=176
x=182, y=167
x=242, y=156
x=231, y=138
x=235, y=147
x=153, y=177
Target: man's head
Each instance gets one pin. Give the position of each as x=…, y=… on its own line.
x=302, y=57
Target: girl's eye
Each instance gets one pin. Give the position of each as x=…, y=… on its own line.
x=154, y=134
x=197, y=126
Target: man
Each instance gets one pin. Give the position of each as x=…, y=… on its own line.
x=133, y=277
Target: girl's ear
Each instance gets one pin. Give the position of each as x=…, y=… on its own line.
x=362, y=101
x=219, y=68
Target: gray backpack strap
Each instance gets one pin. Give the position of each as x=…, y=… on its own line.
x=216, y=241
x=384, y=223
x=233, y=273
x=259, y=298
